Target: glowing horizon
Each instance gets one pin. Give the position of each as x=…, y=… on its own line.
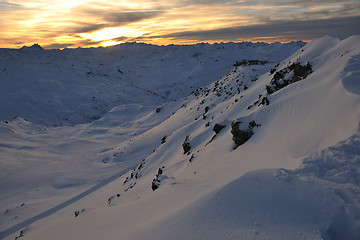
x=85, y=23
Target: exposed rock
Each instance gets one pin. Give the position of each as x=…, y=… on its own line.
x=269, y=89
x=156, y=181
x=245, y=62
x=158, y=109
x=240, y=136
x=301, y=71
x=155, y=184
x=127, y=178
x=20, y=235
x=265, y=101
x=281, y=78
x=186, y=145
x=191, y=158
x=206, y=109
x=252, y=124
x=218, y=127
x=110, y=199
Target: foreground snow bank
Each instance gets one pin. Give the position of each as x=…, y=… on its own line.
x=319, y=200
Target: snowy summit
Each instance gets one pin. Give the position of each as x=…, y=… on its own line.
x=206, y=141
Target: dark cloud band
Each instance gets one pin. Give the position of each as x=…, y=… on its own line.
x=113, y=19
x=128, y=17
x=304, y=30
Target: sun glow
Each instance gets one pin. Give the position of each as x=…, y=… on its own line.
x=110, y=43
x=112, y=34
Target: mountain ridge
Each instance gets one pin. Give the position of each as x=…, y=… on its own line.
x=97, y=79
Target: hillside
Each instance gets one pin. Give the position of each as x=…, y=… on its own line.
x=268, y=151
x=72, y=86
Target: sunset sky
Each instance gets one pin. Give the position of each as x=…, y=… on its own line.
x=88, y=23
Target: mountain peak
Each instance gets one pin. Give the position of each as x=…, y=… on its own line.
x=32, y=48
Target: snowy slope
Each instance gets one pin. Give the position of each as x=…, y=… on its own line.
x=71, y=86
x=296, y=177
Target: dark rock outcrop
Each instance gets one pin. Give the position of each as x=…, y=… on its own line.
x=279, y=79
x=156, y=181
x=218, y=127
x=158, y=109
x=239, y=136
x=242, y=135
x=155, y=184
x=186, y=145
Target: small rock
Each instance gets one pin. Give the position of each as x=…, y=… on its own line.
x=186, y=145
x=239, y=136
x=155, y=184
x=218, y=127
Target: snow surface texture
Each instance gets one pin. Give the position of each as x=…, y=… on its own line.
x=296, y=176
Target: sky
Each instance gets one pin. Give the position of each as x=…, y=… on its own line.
x=88, y=23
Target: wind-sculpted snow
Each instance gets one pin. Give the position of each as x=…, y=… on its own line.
x=227, y=160
x=339, y=163
x=351, y=80
x=279, y=203
x=263, y=205
x=339, y=166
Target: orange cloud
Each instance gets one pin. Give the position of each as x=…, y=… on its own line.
x=74, y=23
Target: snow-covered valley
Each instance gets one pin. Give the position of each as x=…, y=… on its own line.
x=222, y=141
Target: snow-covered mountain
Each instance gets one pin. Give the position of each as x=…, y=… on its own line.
x=270, y=150
x=71, y=86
